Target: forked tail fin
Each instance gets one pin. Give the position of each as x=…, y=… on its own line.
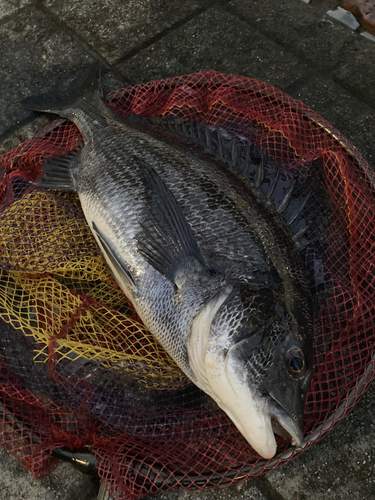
x=56, y=101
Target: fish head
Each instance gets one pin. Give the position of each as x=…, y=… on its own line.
x=256, y=363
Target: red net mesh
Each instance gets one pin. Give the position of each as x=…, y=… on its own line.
x=77, y=367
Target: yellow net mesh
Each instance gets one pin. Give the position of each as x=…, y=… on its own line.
x=77, y=301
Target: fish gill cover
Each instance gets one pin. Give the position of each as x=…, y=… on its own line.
x=78, y=369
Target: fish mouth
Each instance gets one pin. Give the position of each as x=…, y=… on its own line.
x=284, y=425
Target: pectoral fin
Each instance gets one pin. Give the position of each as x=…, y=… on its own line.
x=165, y=239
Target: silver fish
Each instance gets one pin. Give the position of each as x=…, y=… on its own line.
x=206, y=260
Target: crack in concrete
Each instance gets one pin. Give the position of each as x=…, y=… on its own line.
x=38, y=4
x=268, y=491
x=178, y=24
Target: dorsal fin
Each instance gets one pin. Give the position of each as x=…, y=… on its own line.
x=241, y=156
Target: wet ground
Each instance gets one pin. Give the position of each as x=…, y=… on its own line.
x=290, y=44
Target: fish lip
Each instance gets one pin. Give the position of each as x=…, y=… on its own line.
x=288, y=424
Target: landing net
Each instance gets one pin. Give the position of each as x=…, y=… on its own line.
x=77, y=367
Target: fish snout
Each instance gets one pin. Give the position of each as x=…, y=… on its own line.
x=285, y=425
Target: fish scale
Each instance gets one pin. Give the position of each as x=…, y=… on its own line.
x=206, y=260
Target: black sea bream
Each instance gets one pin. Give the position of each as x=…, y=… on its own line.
x=206, y=260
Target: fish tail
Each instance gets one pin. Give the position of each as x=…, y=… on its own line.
x=85, y=85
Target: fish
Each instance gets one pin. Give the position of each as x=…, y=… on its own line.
x=203, y=255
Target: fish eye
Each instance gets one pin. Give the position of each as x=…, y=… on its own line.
x=295, y=362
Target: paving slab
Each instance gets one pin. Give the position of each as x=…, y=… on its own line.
x=359, y=76
x=214, y=40
x=301, y=28
x=113, y=28
x=8, y=7
x=307, y=32
x=35, y=55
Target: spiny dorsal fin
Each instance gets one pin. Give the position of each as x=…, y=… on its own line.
x=241, y=156
x=165, y=239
